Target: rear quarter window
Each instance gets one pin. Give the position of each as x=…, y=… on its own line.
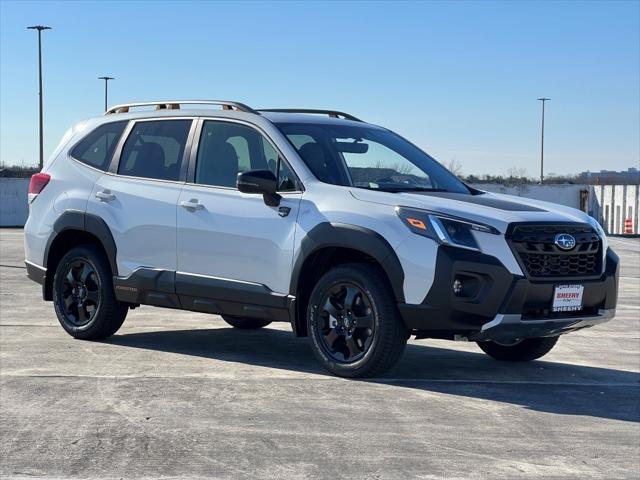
x=96, y=149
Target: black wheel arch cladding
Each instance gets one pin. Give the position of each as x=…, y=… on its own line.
x=85, y=222
x=352, y=237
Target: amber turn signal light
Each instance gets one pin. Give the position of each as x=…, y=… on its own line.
x=414, y=222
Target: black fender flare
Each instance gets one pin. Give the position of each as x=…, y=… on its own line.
x=353, y=237
x=86, y=222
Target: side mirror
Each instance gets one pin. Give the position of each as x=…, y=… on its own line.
x=262, y=182
x=257, y=181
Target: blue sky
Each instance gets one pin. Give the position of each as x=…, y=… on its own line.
x=460, y=79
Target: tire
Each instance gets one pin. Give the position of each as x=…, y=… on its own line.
x=522, y=351
x=83, y=295
x=354, y=323
x=245, y=323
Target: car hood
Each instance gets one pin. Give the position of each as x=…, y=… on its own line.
x=493, y=209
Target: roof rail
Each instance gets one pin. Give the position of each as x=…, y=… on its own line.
x=331, y=113
x=176, y=105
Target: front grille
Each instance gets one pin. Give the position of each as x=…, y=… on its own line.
x=535, y=248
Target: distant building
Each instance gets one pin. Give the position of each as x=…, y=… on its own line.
x=17, y=172
x=610, y=177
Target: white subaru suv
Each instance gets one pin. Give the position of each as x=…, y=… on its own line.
x=344, y=229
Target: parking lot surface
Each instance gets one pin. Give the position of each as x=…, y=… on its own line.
x=179, y=394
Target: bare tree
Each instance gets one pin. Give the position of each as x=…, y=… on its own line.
x=403, y=168
x=518, y=172
x=454, y=166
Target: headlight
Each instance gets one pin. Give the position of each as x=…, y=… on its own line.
x=447, y=230
x=596, y=225
x=598, y=228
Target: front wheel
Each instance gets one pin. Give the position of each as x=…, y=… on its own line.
x=519, y=351
x=353, y=321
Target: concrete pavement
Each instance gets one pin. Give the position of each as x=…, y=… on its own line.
x=178, y=394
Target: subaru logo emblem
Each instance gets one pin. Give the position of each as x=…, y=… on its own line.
x=564, y=241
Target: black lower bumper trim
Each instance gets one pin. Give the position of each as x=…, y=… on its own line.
x=494, y=290
x=489, y=283
x=512, y=327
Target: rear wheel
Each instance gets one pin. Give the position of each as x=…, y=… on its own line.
x=519, y=351
x=83, y=295
x=353, y=321
x=245, y=323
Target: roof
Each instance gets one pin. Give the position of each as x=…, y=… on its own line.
x=286, y=117
x=229, y=109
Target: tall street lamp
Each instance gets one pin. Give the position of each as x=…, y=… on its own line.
x=543, y=100
x=106, y=89
x=40, y=28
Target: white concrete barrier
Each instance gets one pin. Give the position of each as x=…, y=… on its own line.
x=14, y=206
x=618, y=203
x=569, y=195
x=611, y=205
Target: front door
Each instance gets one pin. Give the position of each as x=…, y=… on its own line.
x=234, y=241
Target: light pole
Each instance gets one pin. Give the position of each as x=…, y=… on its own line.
x=40, y=28
x=106, y=89
x=543, y=100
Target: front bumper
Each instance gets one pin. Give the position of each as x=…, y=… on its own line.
x=501, y=306
x=509, y=327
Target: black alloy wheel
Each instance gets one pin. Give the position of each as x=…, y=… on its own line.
x=354, y=323
x=80, y=297
x=346, y=324
x=83, y=294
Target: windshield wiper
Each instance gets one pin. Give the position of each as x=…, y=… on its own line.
x=405, y=188
x=420, y=189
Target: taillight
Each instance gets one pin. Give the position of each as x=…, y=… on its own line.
x=37, y=184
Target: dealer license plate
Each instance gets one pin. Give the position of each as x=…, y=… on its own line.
x=567, y=298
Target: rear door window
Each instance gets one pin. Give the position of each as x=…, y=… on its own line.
x=155, y=149
x=96, y=149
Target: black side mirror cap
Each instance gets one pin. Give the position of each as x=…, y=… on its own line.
x=257, y=181
x=262, y=182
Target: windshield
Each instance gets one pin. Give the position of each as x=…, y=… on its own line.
x=367, y=157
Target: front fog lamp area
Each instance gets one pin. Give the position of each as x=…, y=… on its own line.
x=446, y=230
x=466, y=286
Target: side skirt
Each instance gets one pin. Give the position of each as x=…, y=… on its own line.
x=199, y=293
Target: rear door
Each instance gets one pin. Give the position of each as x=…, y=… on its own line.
x=235, y=239
x=138, y=197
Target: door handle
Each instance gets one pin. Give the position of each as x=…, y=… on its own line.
x=105, y=196
x=192, y=205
